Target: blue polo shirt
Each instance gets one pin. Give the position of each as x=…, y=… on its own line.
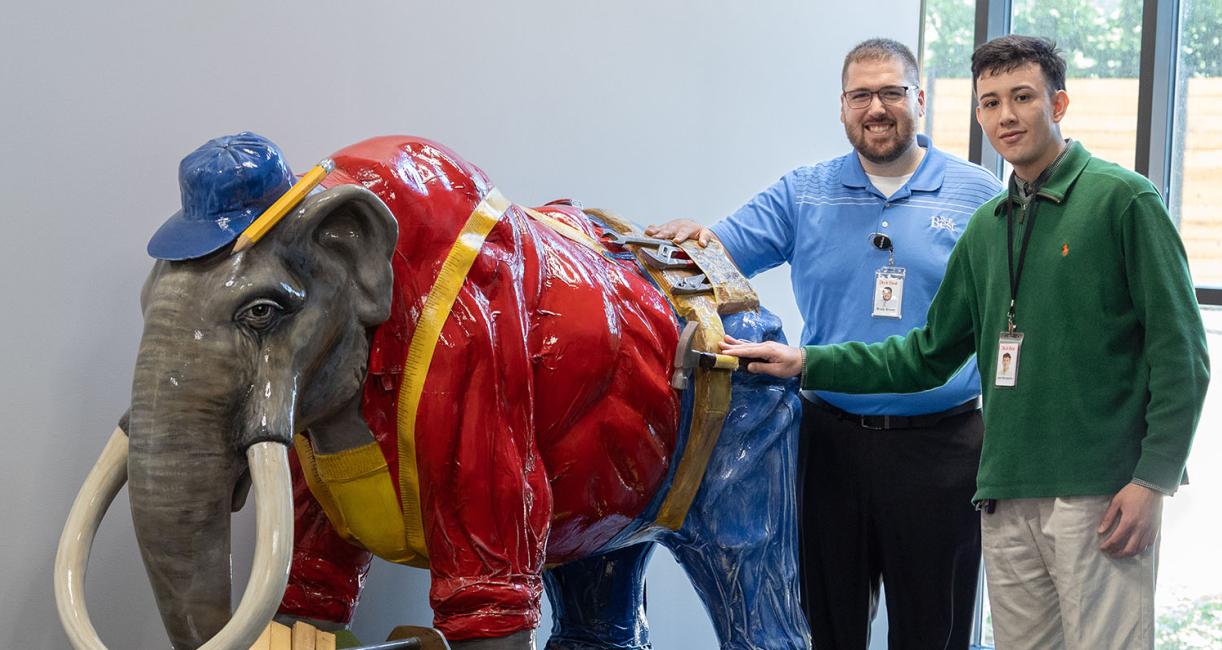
x=819, y=219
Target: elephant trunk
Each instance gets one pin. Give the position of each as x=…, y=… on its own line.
x=193, y=590
x=182, y=526
x=185, y=456
x=180, y=503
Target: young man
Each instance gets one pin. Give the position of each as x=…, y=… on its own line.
x=885, y=481
x=1078, y=274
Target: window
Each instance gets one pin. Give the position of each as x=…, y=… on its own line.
x=1100, y=41
x=1196, y=144
x=946, y=70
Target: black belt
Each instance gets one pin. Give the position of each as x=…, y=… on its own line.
x=885, y=422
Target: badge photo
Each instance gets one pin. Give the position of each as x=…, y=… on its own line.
x=1008, y=348
x=888, y=292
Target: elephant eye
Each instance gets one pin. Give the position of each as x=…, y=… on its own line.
x=260, y=314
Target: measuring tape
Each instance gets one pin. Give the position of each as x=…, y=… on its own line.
x=433, y=317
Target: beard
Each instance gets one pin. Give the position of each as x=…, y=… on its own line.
x=885, y=151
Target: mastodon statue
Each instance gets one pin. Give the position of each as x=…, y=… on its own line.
x=410, y=365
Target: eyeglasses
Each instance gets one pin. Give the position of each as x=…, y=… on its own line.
x=861, y=97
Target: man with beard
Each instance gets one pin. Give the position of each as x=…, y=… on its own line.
x=885, y=480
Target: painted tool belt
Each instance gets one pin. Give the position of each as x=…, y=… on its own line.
x=702, y=283
x=687, y=272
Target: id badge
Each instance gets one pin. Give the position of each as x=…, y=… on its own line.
x=888, y=292
x=1008, y=348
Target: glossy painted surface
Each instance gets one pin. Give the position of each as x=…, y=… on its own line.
x=225, y=184
x=547, y=408
x=737, y=544
x=551, y=334
x=547, y=431
x=238, y=350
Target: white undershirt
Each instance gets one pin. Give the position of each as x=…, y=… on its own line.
x=888, y=185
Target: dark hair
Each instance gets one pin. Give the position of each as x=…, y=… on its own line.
x=1008, y=53
x=881, y=49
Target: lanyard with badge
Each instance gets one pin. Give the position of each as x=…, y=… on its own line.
x=888, y=281
x=1010, y=343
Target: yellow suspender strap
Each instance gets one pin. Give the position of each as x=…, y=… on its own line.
x=420, y=353
x=568, y=232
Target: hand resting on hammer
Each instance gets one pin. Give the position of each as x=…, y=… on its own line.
x=771, y=358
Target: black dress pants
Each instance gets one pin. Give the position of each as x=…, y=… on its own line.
x=894, y=506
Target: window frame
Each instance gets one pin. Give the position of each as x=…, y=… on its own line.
x=1160, y=32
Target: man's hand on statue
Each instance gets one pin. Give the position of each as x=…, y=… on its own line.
x=772, y=358
x=1130, y=525
x=681, y=230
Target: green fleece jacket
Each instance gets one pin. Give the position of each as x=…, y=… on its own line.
x=1114, y=364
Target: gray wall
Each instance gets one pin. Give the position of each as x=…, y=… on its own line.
x=655, y=109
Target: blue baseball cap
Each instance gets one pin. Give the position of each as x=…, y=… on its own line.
x=226, y=184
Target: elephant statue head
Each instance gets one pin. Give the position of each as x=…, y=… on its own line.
x=239, y=353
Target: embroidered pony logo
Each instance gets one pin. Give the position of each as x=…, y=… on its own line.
x=939, y=222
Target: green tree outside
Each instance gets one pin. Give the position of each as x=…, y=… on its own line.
x=1098, y=38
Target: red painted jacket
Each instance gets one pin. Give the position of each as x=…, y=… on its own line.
x=547, y=422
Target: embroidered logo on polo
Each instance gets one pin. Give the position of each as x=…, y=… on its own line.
x=940, y=222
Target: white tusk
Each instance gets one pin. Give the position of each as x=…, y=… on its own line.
x=269, y=472
x=104, y=481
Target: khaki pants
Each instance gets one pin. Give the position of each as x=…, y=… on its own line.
x=1051, y=587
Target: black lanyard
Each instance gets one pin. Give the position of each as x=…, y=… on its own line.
x=1016, y=275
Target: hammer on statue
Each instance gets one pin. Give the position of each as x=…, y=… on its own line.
x=688, y=359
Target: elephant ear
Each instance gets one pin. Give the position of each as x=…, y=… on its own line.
x=354, y=227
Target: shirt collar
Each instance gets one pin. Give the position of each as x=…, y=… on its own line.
x=926, y=178
x=1064, y=175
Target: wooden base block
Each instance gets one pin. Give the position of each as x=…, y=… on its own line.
x=302, y=636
